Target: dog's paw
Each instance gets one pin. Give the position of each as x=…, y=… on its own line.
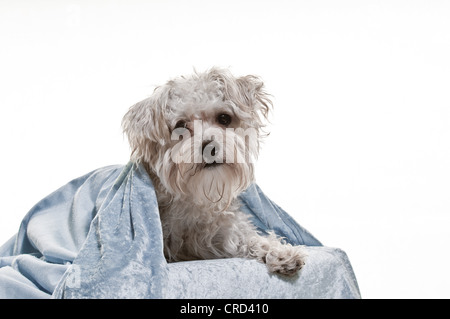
x=286, y=260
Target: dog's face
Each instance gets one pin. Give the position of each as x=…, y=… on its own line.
x=201, y=134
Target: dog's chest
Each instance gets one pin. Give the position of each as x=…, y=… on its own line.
x=190, y=234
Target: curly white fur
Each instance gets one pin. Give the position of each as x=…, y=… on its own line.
x=198, y=137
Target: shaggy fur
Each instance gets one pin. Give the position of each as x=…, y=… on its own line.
x=198, y=137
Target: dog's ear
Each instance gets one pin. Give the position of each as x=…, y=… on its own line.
x=253, y=93
x=145, y=126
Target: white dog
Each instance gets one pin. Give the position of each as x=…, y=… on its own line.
x=197, y=137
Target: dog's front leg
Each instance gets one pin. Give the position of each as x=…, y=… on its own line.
x=280, y=257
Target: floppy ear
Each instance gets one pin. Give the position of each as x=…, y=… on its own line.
x=252, y=92
x=145, y=126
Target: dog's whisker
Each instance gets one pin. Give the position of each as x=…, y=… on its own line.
x=194, y=168
x=198, y=168
x=179, y=171
x=210, y=186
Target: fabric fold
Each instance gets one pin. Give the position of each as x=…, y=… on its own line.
x=100, y=236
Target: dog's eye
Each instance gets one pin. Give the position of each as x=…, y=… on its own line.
x=224, y=119
x=180, y=124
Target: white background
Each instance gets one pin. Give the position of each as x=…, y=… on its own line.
x=359, y=152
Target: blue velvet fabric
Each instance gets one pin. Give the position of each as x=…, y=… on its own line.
x=100, y=236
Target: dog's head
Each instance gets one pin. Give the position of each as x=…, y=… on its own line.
x=201, y=134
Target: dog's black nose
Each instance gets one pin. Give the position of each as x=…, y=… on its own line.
x=209, y=148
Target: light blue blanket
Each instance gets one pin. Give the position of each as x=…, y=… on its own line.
x=100, y=236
